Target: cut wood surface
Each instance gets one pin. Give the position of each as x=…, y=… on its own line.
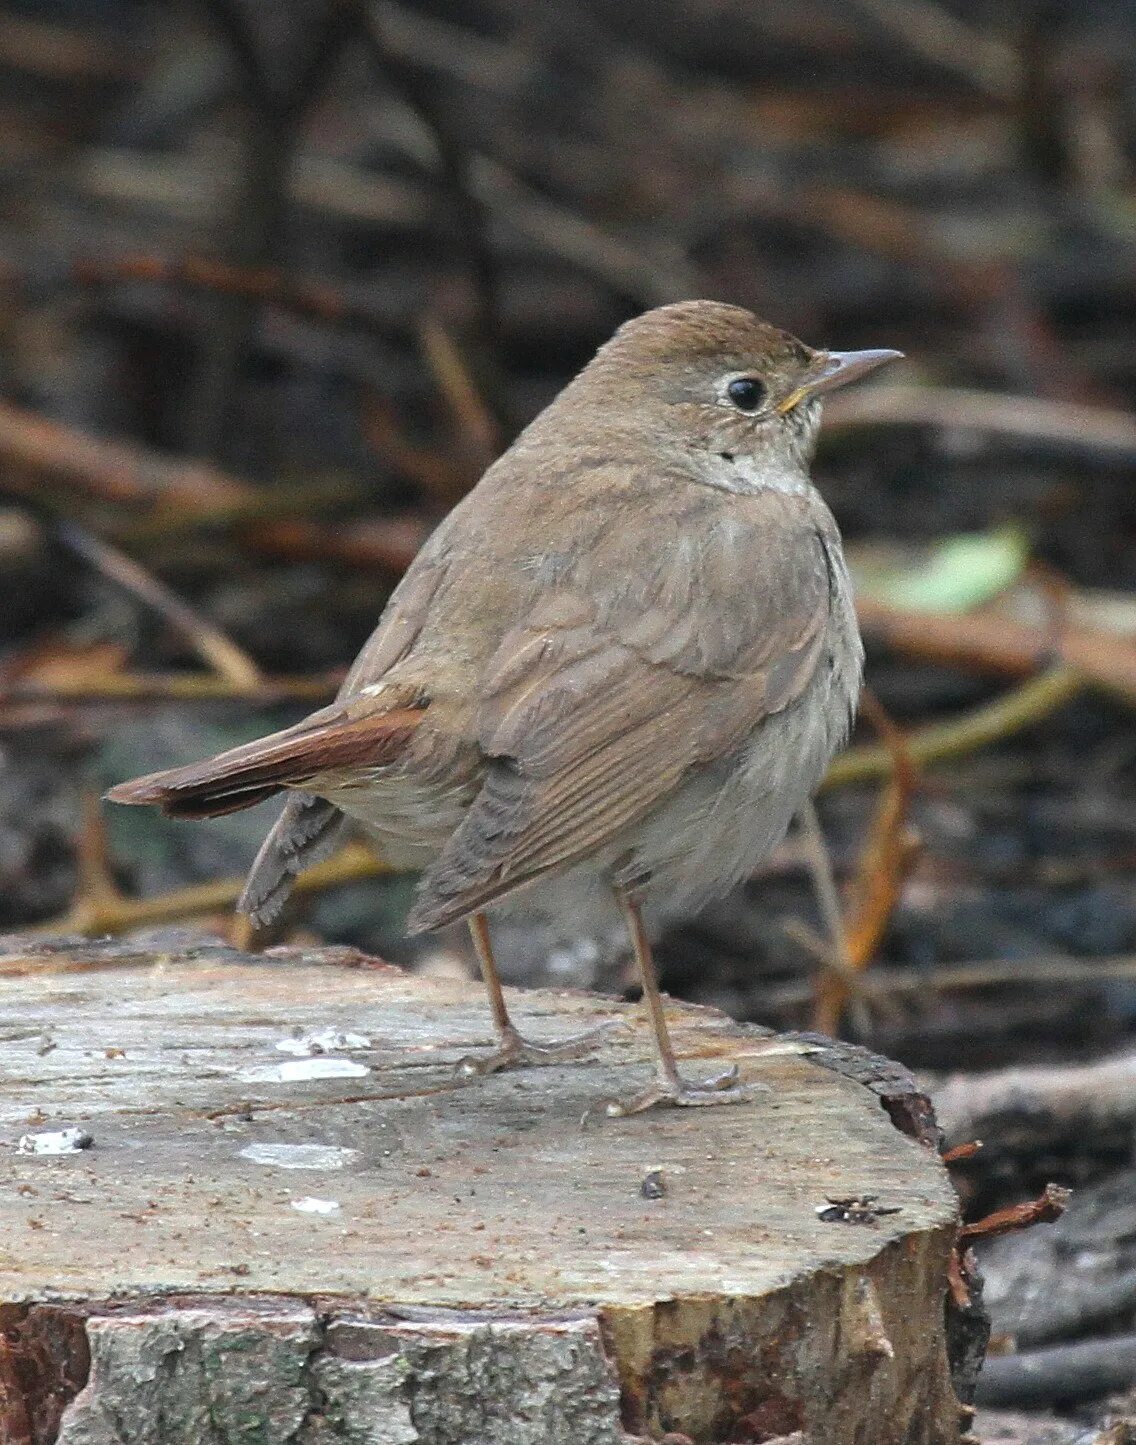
x=265, y=1242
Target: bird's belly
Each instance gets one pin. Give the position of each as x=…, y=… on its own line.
x=409, y=819
x=726, y=819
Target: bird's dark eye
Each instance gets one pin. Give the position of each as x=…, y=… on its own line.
x=746, y=393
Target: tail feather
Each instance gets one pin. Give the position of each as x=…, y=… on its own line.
x=306, y=832
x=330, y=741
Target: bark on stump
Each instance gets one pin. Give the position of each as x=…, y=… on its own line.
x=264, y=1245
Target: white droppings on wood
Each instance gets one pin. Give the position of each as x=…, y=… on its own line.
x=56, y=1141
x=322, y=1041
x=299, y=1156
x=325, y=1066
x=308, y=1205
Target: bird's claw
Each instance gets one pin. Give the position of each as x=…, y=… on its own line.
x=675, y=1092
x=514, y=1051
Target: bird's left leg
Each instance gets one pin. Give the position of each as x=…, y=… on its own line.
x=668, y=1087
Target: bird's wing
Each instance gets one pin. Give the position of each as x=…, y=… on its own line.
x=644, y=663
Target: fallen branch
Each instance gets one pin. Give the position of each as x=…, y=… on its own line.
x=1076, y=1372
x=1015, y=1108
x=215, y=649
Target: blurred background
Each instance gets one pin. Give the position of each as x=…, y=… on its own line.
x=277, y=282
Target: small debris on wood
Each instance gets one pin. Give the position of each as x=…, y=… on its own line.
x=855, y=1210
x=324, y=1066
x=654, y=1184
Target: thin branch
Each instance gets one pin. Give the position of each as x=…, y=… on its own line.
x=174, y=687
x=111, y=471
x=886, y=859
x=218, y=651
x=1051, y=1205
x=268, y=285
x=935, y=34
x=917, y=983
x=99, y=915
x=1083, y=429
x=836, y=959
x=990, y=642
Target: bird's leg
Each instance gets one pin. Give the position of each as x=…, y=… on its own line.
x=513, y=1049
x=668, y=1087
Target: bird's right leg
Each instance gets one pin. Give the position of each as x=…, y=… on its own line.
x=513, y=1049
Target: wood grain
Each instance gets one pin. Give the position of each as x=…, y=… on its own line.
x=490, y=1271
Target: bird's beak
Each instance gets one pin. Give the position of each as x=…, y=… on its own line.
x=837, y=368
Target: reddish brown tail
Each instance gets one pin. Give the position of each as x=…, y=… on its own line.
x=330, y=741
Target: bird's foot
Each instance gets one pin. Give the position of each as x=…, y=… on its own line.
x=514, y=1051
x=669, y=1090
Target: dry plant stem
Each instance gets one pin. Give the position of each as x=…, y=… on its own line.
x=474, y=427
x=935, y=34
x=837, y=957
x=390, y=543
x=913, y=983
x=120, y=915
x=96, y=887
x=267, y=285
x=885, y=860
x=178, y=687
x=111, y=471
x=1050, y=1205
x=257, y=507
x=215, y=649
x=274, y=109
x=471, y=216
x=441, y=477
x=1009, y=714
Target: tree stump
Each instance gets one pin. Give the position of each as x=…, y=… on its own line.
x=296, y=1222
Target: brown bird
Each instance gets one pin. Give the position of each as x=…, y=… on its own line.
x=628, y=654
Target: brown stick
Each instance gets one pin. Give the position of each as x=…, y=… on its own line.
x=175, y=687
x=268, y=285
x=1050, y=1205
x=112, y=471
x=885, y=861
x=216, y=650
